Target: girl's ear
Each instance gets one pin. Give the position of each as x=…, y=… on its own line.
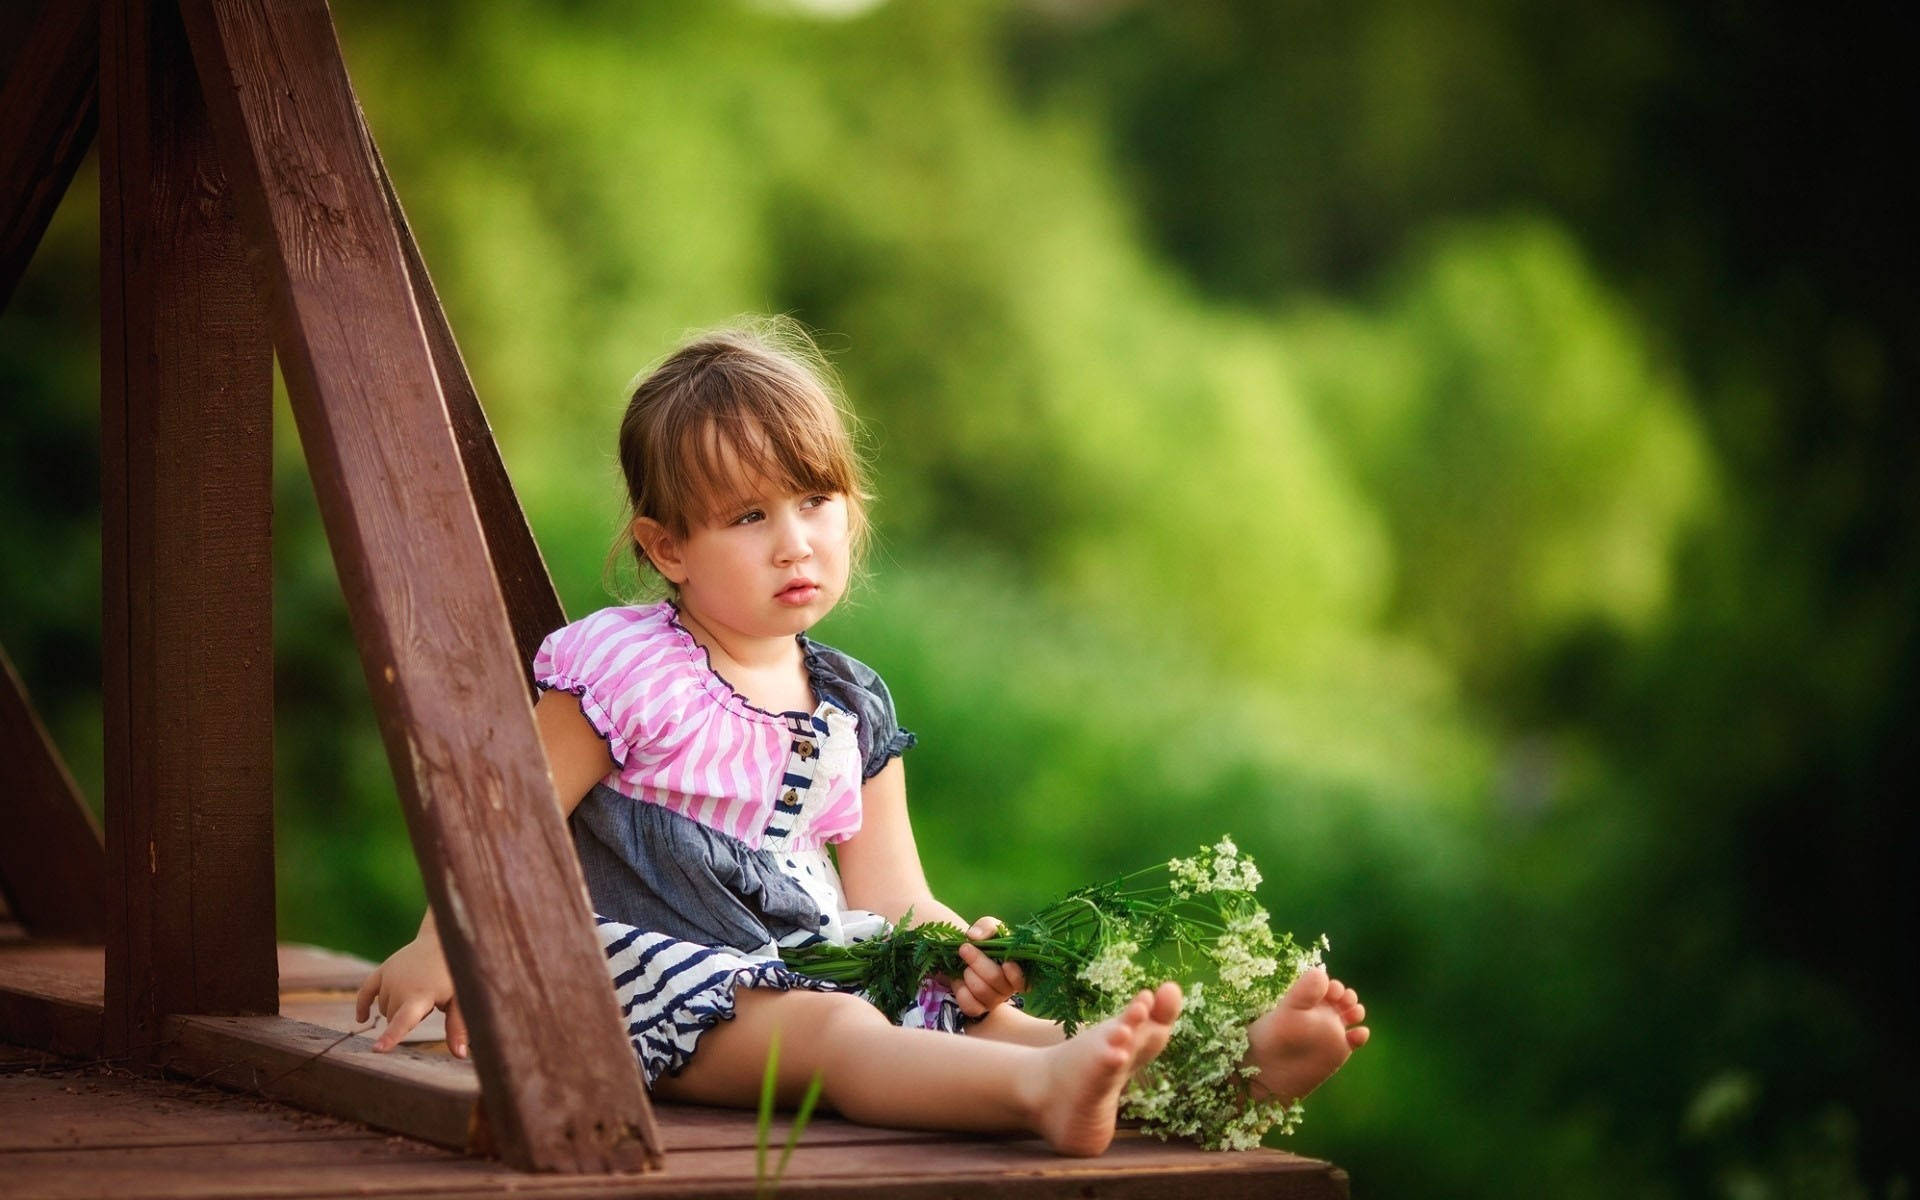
x=661, y=548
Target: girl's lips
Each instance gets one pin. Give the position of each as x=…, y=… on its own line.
x=797, y=594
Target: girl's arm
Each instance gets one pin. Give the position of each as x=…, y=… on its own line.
x=414, y=980
x=880, y=869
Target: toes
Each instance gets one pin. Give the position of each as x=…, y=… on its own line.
x=1168, y=1000
x=1308, y=990
x=1357, y=1036
x=1356, y=1014
x=1337, y=992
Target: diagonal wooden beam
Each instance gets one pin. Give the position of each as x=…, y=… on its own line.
x=186, y=420
x=533, y=606
x=53, y=871
x=560, y=1084
x=46, y=120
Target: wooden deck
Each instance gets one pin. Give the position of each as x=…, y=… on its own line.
x=74, y=1128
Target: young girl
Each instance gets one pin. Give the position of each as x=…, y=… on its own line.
x=707, y=753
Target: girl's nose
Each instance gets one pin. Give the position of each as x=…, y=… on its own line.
x=793, y=545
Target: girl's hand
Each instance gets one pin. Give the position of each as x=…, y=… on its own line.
x=987, y=984
x=410, y=984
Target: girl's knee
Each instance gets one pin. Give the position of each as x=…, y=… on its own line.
x=811, y=1015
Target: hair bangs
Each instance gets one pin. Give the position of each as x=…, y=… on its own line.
x=733, y=416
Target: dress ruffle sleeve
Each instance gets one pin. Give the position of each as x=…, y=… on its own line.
x=628, y=670
x=858, y=688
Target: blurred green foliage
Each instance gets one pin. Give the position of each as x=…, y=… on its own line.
x=1395, y=434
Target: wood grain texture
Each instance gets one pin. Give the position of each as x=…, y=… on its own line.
x=430, y=1097
x=66, y=1108
x=560, y=1083
x=533, y=606
x=187, y=475
x=53, y=867
x=87, y=1132
x=47, y=115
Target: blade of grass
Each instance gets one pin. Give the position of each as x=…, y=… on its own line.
x=800, y=1119
x=762, y=1186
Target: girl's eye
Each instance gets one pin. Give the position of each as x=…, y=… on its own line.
x=815, y=501
x=748, y=517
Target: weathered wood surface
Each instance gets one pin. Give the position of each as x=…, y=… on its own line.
x=50, y=53
x=186, y=397
x=561, y=1086
x=709, y=1149
x=53, y=868
x=533, y=606
x=431, y=1097
x=78, y=1133
x=50, y=997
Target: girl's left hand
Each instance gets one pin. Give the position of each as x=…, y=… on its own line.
x=987, y=983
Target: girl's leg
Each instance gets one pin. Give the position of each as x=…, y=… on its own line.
x=880, y=1074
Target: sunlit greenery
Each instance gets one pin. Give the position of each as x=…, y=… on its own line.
x=1357, y=430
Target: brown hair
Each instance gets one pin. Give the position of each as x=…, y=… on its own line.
x=758, y=386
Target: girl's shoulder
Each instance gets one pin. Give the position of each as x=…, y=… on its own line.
x=628, y=644
x=838, y=671
x=858, y=688
x=631, y=626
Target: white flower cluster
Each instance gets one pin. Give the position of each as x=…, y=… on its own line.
x=1113, y=971
x=1247, y=955
x=1197, y=1089
x=1219, y=868
x=1313, y=956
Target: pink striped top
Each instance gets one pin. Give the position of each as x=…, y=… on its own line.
x=681, y=737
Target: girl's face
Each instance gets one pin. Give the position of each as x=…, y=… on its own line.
x=769, y=565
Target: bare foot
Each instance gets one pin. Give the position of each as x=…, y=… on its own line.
x=1076, y=1097
x=1306, y=1038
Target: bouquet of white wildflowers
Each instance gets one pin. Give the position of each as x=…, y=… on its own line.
x=1193, y=920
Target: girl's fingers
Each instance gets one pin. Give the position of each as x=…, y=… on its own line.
x=456, y=1029
x=983, y=973
x=363, y=1003
x=401, y=1023
x=985, y=927
x=1015, y=975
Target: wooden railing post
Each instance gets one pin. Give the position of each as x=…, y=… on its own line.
x=46, y=119
x=186, y=402
x=533, y=607
x=52, y=869
x=559, y=1081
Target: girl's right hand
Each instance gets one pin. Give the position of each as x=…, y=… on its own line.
x=410, y=984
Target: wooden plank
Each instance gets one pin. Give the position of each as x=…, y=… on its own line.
x=187, y=477
x=50, y=997
x=89, y=1109
x=284, y=1169
x=345, y=1167
x=533, y=606
x=53, y=868
x=23, y=1058
x=69, y=973
x=47, y=115
x=335, y=1010
x=562, y=1087
x=1133, y=1168
x=52, y=1023
x=148, y=1137
x=433, y=1098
